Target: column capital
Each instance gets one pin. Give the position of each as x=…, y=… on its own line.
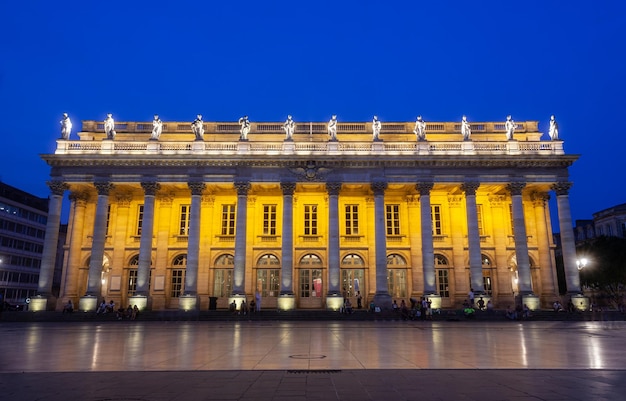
x=150, y=187
x=57, y=187
x=196, y=187
x=242, y=187
x=561, y=188
x=470, y=187
x=103, y=187
x=424, y=188
x=288, y=187
x=378, y=187
x=539, y=198
x=78, y=197
x=333, y=188
x=515, y=188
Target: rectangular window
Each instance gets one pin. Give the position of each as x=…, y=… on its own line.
x=442, y=283
x=184, y=220
x=108, y=219
x=396, y=283
x=435, y=216
x=228, y=219
x=223, y=284
x=479, y=213
x=268, y=282
x=512, y=221
x=177, y=282
x=352, y=219
x=132, y=282
x=393, y=219
x=269, y=219
x=310, y=219
x=139, y=219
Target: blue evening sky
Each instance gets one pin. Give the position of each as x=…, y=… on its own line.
x=311, y=59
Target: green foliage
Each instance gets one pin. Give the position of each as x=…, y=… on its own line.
x=605, y=273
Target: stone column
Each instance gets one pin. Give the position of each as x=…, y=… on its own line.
x=89, y=302
x=428, y=250
x=521, y=245
x=568, y=245
x=189, y=299
x=382, y=298
x=145, y=245
x=334, y=298
x=69, y=286
x=473, y=237
x=239, y=268
x=546, y=261
x=48, y=257
x=287, y=300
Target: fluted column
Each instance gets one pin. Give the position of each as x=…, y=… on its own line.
x=99, y=236
x=145, y=243
x=428, y=250
x=521, y=238
x=48, y=257
x=286, y=274
x=568, y=244
x=382, y=297
x=333, y=189
x=239, y=268
x=193, y=243
x=473, y=237
x=72, y=264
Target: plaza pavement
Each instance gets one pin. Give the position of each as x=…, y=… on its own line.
x=309, y=360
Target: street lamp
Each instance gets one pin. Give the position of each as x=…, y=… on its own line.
x=581, y=263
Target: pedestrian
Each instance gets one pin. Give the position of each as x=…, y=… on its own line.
x=359, y=300
x=470, y=295
x=257, y=299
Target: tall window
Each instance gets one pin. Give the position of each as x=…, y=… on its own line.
x=178, y=276
x=435, y=216
x=310, y=219
x=352, y=219
x=393, y=219
x=310, y=276
x=269, y=219
x=511, y=219
x=487, y=283
x=184, y=220
x=139, y=219
x=443, y=282
x=396, y=276
x=223, y=283
x=108, y=219
x=479, y=213
x=132, y=275
x=268, y=275
x=228, y=219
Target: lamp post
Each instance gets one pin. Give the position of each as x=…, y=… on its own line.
x=580, y=301
x=581, y=263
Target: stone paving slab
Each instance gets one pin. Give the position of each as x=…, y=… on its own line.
x=396, y=385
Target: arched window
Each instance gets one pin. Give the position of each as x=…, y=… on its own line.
x=310, y=276
x=223, y=277
x=268, y=275
x=178, y=275
x=352, y=275
x=442, y=275
x=396, y=276
x=487, y=281
x=352, y=259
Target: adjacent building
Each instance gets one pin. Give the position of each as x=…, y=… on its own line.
x=306, y=215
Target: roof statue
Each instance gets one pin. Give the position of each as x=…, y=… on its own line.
x=289, y=126
x=465, y=129
x=420, y=129
x=332, y=128
x=376, y=129
x=66, y=126
x=157, y=128
x=245, y=128
x=510, y=126
x=109, y=127
x=554, y=129
x=197, y=126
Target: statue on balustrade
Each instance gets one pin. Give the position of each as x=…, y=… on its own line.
x=289, y=126
x=66, y=126
x=420, y=129
x=554, y=129
x=157, y=128
x=332, y=128
x=376, y=129
x=245, y=128
x=466, y=131
x=197, y=126
x=509, y=126
x=109, y=127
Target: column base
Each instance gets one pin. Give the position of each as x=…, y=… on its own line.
x=38, y=303
x=187, y=302
x=286, y=302
x=532, y=301
x=580, y=302
x=334, y=302
x=88, y=303
x=140, y=300
x=383, y=301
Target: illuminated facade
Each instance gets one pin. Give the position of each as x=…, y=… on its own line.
x=169, y=222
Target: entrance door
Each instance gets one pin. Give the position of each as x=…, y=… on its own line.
x=310, y=288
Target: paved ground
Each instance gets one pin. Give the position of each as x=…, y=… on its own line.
x=313, y=360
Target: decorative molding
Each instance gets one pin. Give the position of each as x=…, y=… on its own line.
x=515, y=188
x=196, y=187
x=311, y=171
x=57, y=187
x=539, y=199
x=455, y=200
x=80, y=198
x=497, y=200
x=288, y=188
x=123, y=199
x=242, y=187
x=150, y=188
x=561, y=188
x=470, y=187
x=379, y=187
x=208, y=200
x=333, y=188
x=424, y=188
x=166, y=199
x=103, y=187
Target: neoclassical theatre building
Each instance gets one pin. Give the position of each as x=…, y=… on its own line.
x=179, y=215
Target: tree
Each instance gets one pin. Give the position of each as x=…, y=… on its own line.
x=605, y=273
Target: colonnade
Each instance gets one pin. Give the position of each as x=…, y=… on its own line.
x=89, y=300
